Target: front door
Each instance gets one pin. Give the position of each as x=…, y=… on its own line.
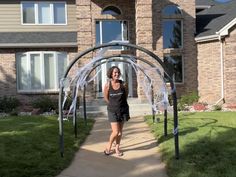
x=126, y=76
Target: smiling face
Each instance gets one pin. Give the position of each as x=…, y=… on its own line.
x=115, y=74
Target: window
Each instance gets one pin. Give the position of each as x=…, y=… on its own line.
x=172, y=30
x=171, y=10
x=172, y=27
x=175, y=68
x=40, y=71
x=111, y=30
x=172, y=34
x=111, y=10
x=46, y=13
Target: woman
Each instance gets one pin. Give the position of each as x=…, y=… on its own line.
x=115, y=94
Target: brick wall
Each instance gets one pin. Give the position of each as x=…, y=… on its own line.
x=230, y=67
x=7, y=73
x=149, y=35
x=209, y=78
x=209, y=70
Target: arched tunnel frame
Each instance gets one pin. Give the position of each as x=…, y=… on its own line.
x=151, y=54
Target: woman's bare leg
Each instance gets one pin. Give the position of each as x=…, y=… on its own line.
x=115, y=131
x=118, y=138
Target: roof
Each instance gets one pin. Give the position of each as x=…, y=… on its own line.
x=205, y=2
x=213, y=20
x=38, y=39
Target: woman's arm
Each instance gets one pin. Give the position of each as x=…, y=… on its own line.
x=106, y=88
x=126, y=89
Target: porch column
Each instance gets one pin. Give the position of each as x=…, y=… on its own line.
x=84, y=23
x=144, y=35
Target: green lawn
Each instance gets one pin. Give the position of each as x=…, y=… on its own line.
x=29, y=145
x=207, y=144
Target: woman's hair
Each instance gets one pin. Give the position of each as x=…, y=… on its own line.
x=110, y=71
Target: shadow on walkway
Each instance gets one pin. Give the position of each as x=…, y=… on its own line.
x=141, y=157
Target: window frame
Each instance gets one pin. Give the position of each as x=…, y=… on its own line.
x=29, y=88
x=36, y=13
x=122, y=32
x=182, y=32
x=182, y=64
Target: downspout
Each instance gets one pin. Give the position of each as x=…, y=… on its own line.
x=221, y=70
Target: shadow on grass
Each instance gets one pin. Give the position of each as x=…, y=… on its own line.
x=30, y=146
x=210, y=156
x=187, y=130
x=163, y=138
x=207, y=145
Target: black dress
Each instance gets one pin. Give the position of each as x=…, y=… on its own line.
x=117, y=108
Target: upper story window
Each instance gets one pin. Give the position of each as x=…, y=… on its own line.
x=172, y=27
x=111, y=30
x=111, y=10
x=40, y=71
x=171, y=10
x=45, y=13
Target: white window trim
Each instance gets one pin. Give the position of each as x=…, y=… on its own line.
x=122, y=32
x=182, y=58
x=51, y=13
x=182, y=32
x=42, y=90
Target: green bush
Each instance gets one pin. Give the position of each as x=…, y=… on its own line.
x=45, y=104
x=187, y=100
x=7, y=104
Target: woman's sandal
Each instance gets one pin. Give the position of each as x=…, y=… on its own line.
x=107, y=152
x=119, y=153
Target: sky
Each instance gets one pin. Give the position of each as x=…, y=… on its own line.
x=222, y=1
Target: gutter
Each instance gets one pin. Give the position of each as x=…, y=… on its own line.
x=221, y=69
x=38, y=45
x=207, y=38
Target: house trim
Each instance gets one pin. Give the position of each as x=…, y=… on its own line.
x=207, y=38
x=38, y=45
x=225, y=30
x=203, y=6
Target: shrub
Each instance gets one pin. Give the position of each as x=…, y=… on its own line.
x=45, y=104
x=187, y=100
x=7, y=104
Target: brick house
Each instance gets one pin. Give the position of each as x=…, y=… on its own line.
x=39, y=38
x=216, y=52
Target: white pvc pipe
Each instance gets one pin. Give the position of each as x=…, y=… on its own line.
x=221, y=69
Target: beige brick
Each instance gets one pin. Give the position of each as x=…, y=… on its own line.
x=83, y=2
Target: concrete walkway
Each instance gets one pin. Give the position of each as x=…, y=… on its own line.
x=140, y=159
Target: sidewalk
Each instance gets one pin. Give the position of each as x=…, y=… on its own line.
x=141, y=157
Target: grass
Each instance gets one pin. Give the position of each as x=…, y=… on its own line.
x=207, y=144
x=30, y=145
